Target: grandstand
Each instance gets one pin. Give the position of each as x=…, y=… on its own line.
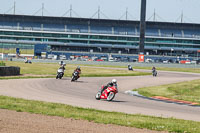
x=96, y=37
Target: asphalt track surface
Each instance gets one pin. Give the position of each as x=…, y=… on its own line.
x=82, y=94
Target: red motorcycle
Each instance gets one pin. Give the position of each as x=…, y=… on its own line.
x=107, y=94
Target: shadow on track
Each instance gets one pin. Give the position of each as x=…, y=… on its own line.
x=118, y=101
x=69, y=79
x=79, y=82
x=115, y=101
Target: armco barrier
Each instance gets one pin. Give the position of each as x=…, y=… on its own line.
x=9, y=70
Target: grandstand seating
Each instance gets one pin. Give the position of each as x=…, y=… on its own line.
x=171, y=32
x=77, y=28
x=124, y=30
x=120, y=36
x=101, y=29
x=98, y=29
x=192, y=33
x=8, y=25
x=152, y=32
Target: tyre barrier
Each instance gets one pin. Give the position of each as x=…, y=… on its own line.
x=9, y=70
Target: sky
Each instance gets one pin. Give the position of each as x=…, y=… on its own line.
x=165, y=10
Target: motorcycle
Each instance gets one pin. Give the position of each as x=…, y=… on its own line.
x=154, y=73
x=60, y=73
x=107, y=94
x=28, y=61
x=74, y=76
x=130, y=68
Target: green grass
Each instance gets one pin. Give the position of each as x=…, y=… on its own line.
x=188, y=91
x=192, y=70
x=25, y=77
x=50, y=69
x=175, y=69
x=97, y=116
x=2, y=63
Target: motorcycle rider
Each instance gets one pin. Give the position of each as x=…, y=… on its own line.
x=130, y=67
x=62, y=66
x=153, y=68
x=61, y=63
x=154, y=72
x=78, y=69
x=110, y=84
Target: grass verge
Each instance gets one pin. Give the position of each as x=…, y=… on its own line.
x=187, y=91
x=49, y=69
x=175, y=69
x=24, y=77
x=2, y=63
x=67, y=111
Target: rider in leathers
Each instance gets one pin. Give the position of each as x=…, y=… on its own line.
x=153, y=69
x=78, y=69
x=113, y=83
x=62, y=66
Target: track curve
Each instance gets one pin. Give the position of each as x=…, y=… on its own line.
x=82, y=94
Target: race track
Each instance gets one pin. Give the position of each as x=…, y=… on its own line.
x=82, y=94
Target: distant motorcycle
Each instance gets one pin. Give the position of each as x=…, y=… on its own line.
x=28, y=61
x=60, y=73
x=130, y=68
x=107, y=94
x=74, y=76
x=154, y=73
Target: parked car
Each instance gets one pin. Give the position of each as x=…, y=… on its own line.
x=148, y=60
x=50, y=56
x=99, y=60
x=165, y=61
x=63, y=57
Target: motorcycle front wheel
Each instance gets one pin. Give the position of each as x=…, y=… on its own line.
x=98, y=95
x=73, y=78
x=111, y=96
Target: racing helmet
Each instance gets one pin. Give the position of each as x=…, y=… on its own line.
x=61, y=62
x=114, y=81
x=64, y=64
x=78, y=67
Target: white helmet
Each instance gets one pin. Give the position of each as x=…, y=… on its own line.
x=64, y=64
x=114, y=81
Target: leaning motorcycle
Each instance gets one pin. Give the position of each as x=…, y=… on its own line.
x=28, y=61
x=60, y=73
x=74, y=76
x=130, y=68
x=107, y=94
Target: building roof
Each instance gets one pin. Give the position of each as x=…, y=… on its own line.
x=92, y=21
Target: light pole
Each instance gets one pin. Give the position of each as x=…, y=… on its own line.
x=142, y=26
x=142, y=30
